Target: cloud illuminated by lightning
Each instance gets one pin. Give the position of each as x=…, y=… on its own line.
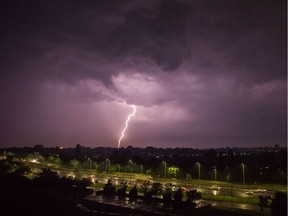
x=126, y=123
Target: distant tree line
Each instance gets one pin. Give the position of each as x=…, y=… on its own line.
x=261, y=165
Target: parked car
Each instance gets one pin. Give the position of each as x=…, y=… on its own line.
x=260, y=190
x=249, y=193
x=215, y=187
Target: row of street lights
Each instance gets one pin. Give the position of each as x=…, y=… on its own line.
x=215, y=172
x=107, y=168
x=214, y=168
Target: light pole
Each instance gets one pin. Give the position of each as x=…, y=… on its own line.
x=165, y=167
x=199, y=170
x=89, y=163
x=96, y=167
x=215, y=173
x=108, y=165
x=243, y=173
x=130, y=165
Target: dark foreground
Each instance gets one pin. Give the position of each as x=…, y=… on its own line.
x=48, y=194
x=19, y=196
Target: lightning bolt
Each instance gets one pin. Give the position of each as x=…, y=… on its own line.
x=126, y=123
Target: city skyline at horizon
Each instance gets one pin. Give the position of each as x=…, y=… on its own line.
x=41, y=146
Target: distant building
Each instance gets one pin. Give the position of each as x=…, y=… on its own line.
x=78, y=152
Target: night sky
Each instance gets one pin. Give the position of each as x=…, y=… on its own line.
x=202, y=74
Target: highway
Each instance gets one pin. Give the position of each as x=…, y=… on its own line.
x=209, y=189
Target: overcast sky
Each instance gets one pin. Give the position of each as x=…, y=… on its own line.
x=202, y=74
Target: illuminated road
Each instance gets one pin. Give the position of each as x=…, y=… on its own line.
x=130, y=177
x=231, y=191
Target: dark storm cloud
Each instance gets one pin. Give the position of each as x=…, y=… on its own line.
x=249, y=35
x=222, y=62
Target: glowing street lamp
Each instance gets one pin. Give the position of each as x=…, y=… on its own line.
x=243, y=173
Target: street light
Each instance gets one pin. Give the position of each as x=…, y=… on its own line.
x=108, y=165
x=199, y=170
x=243, y=172
x=96, y=165
x=165, y=168
x=130, y=165
x=89, y=162
x=215, y=173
